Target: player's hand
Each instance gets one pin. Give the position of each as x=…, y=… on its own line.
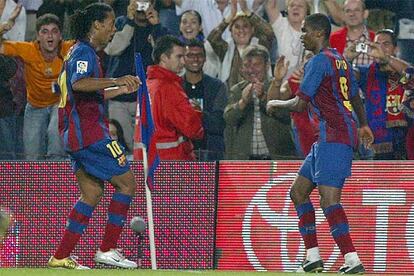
x=366, y=137
x=131, y=83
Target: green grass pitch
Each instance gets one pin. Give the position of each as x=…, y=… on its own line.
x=136, y=272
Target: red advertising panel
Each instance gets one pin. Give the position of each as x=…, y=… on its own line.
x=257, y=223
x=41, y=194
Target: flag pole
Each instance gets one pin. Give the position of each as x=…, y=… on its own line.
x=150, y=217
x=143, y=93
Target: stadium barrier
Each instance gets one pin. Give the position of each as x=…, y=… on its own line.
x=248, y=223
x=257, y=223
x=41, y=194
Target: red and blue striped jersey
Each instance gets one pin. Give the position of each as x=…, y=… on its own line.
x=329, y=84
x=82, y=119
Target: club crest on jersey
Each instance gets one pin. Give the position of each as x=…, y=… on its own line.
x=81, y=67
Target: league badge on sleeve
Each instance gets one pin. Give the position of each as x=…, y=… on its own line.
x=81, y=67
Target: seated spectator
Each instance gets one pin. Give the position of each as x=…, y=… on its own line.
x=246, y=29
x=43, y=60
x=134, y=34
x=210, y=94
x=380, y=83
x=304, y=128
x=254, y=134
x=288, y=29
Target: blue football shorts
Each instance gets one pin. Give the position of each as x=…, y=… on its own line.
x=103, y=159
x=328, y=164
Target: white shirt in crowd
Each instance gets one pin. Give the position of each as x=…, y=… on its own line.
x=18, y=31
x=210, y=14
x=31, y=5
x=291, y=47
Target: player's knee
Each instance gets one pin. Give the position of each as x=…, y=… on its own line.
x=131, y=187
x=127, y=187
x=295, y=195
x=92, y=196
x=326, y=201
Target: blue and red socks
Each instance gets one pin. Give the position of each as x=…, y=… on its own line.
x=78, y=220
x=117, y=214
x=307, y=224
x=339, y=225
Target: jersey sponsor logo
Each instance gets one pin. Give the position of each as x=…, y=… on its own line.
x=81, y=67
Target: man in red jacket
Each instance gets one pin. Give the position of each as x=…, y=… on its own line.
x=355, y=30
x=177, y=120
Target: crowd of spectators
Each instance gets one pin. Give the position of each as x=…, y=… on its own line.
x=235, y=55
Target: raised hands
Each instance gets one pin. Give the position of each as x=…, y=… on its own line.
x=152, y=16
x=243, y=6
x=132, y=8
x=233, y=11
x=281, y=69
x=16, y=12
x=8, y=25
x=376, y=52
x=350, y=52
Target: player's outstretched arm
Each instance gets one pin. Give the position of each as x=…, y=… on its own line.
x=121, y=85
x=295, y=104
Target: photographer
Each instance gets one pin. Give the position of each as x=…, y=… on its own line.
x=355, y=30
x=383, y=93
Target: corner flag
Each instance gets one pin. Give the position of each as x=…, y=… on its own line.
x=147, y=125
